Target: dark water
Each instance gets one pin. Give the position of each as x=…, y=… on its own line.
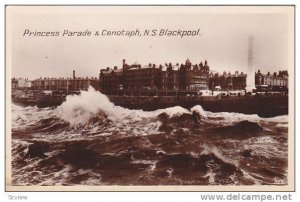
x=88, y=140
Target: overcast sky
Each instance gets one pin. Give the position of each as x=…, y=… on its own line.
x=223, y=41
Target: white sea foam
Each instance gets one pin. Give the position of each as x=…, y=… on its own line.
x=22, y=117
x=210, y=149
x=277, y=119
x=233, y=117
x=79, y=109
x=211, y=176
x=282, y=125
x=264, y=146
x=198, y=109
x=172, y=111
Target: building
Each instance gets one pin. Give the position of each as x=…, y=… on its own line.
x=65, y=84
x=228, y=81
x=272, y=82
x=14, y=83
x=138, y=78
x=197, y=76
x=111, y=80
x=130, y=78
x=20, y=83
x=170, y=77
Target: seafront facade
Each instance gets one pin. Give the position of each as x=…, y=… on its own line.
x=159, y=80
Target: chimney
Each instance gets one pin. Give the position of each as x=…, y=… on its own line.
x=74, y=74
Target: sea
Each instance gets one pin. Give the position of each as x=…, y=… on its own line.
x=88, y=140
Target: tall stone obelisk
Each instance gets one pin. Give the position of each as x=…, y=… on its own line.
x=250, y=70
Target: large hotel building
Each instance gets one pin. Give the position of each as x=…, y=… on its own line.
x=185, y=77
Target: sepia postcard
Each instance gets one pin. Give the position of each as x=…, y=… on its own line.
x=149, y=98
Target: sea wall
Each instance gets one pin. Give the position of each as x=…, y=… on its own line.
x=264, y=106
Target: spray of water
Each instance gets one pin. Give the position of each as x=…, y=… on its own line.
x=79, y=109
